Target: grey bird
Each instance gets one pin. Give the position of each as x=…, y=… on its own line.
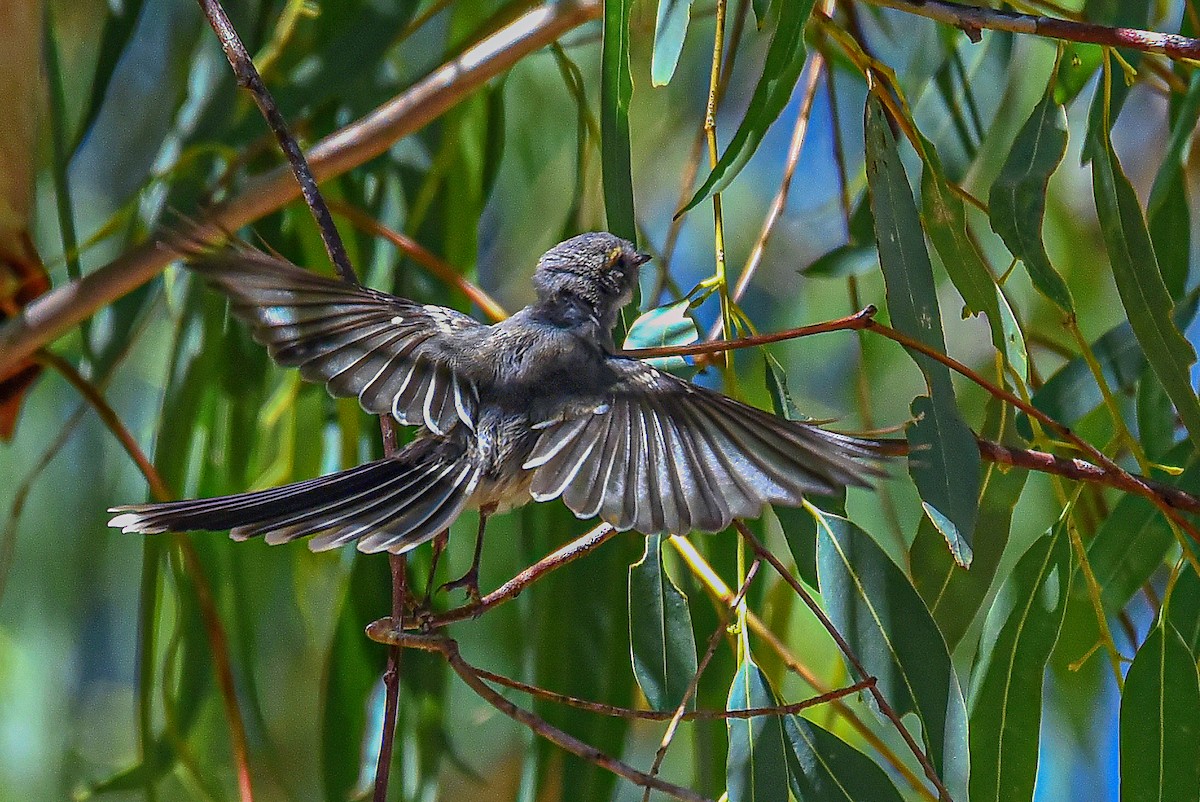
x=539, y=406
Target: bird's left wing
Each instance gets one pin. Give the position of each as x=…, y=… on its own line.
x=658, y=454
x=397, y=356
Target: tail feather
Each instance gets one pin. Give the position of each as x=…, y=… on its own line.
x=393, y=504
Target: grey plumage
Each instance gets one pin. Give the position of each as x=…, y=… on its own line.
x=538, y=406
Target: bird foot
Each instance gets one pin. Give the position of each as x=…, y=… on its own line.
x=470, y=582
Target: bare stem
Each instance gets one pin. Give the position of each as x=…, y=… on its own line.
x=972, y=19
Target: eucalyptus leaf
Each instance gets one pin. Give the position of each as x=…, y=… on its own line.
x=876, y=608
x=660, y=631
x=785, y=61
x=826, y=768
x=757, y=764
x=1017, y=203
x=1006, y=702
x=670, y=29
x=945, y=465
x=1140, y=285
x=616, y=90
x=1160, y=721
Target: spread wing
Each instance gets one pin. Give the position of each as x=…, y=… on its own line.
x=659, y=454
x=397, y=356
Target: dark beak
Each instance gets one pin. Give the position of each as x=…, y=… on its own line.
x=640, y=258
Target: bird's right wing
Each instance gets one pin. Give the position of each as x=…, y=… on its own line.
x=658, y=454
x=397, y=356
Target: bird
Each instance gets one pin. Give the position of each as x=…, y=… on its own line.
x=536, y=407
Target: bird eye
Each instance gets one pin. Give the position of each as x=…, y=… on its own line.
x=613, y=259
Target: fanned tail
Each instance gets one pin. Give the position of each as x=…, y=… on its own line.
x=393, y=504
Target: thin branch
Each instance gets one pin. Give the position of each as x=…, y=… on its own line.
x=577, y=548
x=972, y=19
x=844, y=646
x=60, y=309
x=666, y=715
x=249, y=79
x=448, y=648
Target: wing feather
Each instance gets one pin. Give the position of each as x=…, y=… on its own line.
x=395, y=355
x=661, y=455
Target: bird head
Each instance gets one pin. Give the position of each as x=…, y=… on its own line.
x=587, y=279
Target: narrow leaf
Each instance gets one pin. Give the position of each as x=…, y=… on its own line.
x=1183, y=610
x=1020, y=632
x=946, y=221
x=1017, y=203
x=757, y=765
x=878, y=611
x=1140, y=285
x=952, y=593
x=947, y=470
x=616, y=89
x=660, y=631
x=785, y=61
x=826, y=768
x=1160, y=722
x=670, y=29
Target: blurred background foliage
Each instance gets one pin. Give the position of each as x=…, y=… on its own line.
x=124, y=116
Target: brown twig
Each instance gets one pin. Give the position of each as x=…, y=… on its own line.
x=214, y=630
x=972, y=19
x=859, y=320
x=63, y=307
x=577, y=548
x=883, y=704
x=384, y=632
x=249, y=79
x=664, y=715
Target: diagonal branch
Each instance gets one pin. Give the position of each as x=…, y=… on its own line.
x=972, y=19
x=62, y=308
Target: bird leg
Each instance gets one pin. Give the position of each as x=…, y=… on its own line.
x=470, y=580
x=439, y=546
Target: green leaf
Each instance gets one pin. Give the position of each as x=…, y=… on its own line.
x=660, y=631
x=878, y=611
x=785, y=61
x=1167, y=209
x=664, y=326
x=947, y=470
x=757, y=765
x=1140, y=285
x=826, y=768
x=616, y=89
x=1160, y=722
x=1006, y=706
x=1133, y=539
x=1017, y=203
x=952, y=593
x=1183, y=608
x=946, y=221
x=670, y=29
